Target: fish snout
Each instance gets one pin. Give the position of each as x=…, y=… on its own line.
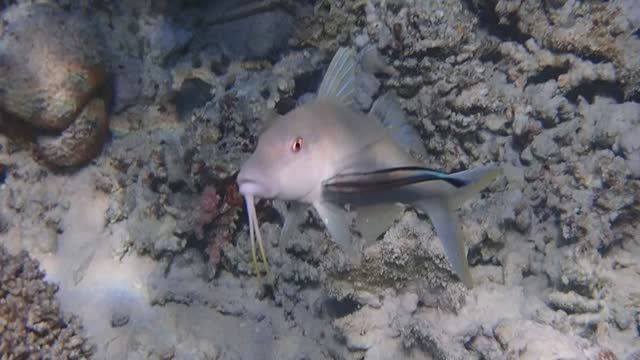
x=251, y=183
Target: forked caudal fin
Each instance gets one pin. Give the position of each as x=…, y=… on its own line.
x=476, y=179
x=447, y=226
x=441, y=211
x=339, y=80
x=437, y=194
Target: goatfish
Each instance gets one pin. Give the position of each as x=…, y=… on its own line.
x=327, y=154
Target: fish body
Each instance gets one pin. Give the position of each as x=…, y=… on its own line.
x=327, y=154
x=334, y=139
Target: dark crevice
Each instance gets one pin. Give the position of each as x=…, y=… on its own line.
x=285, y=105
x=473, y=110
x=340, y=308
x=304, y=83
x=192, y=242
x=3, y=173
x=438, y=53
x=548, y=73
x=592, y=89
x=178, y=186
x=193, y=93
x=307, y=82
x=527, y=273
x=156, y=182
x=476, y=254
x=634, y=96
x=312, y=223
x=268, y=214
x=490, y=21
x=493, y=56
x=589, y=56
x=627, y=216
x=605, y=249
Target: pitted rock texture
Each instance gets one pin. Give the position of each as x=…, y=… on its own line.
x=53, y=63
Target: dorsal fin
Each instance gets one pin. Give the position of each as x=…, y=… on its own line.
x=339, y=80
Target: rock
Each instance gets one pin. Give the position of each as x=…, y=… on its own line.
x=128, y=80
x=80, y=142
x=602, y=33
x=548, y=105
x=573, y=303
x=165, y=39
x=119, y=317
x=52, y=63
x=544, y=148
x=489, y=348
x=633, y=164
x=629, y=140
x=531, y=340
x=622, y=317
x=496, y=123
x=156, y=84
x=253, y=37
x=155, y=235
x=361, y=40
x=367, y=86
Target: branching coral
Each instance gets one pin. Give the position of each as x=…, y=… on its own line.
x=31, y=323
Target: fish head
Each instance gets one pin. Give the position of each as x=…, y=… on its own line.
x=288, y=161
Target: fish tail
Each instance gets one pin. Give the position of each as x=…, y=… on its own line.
x=447, y=226
x=474, y=180
x=442, y=212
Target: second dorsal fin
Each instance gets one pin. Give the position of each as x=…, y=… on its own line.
x=387, y=109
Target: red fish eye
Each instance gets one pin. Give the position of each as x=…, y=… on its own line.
x=296, y=145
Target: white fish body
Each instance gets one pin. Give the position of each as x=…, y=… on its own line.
x=326, y=154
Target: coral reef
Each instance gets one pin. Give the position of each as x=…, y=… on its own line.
x=549, y=90
x=31, y=322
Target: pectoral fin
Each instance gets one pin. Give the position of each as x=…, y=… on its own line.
x=295, y=215
x=337, y=221
x=447, y=226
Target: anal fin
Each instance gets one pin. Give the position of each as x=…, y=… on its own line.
x=337, y=221
x=373, y=220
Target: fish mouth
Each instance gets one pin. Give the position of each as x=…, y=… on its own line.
x=254, y=188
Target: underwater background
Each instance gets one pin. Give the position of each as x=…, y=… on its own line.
x=123, y=125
